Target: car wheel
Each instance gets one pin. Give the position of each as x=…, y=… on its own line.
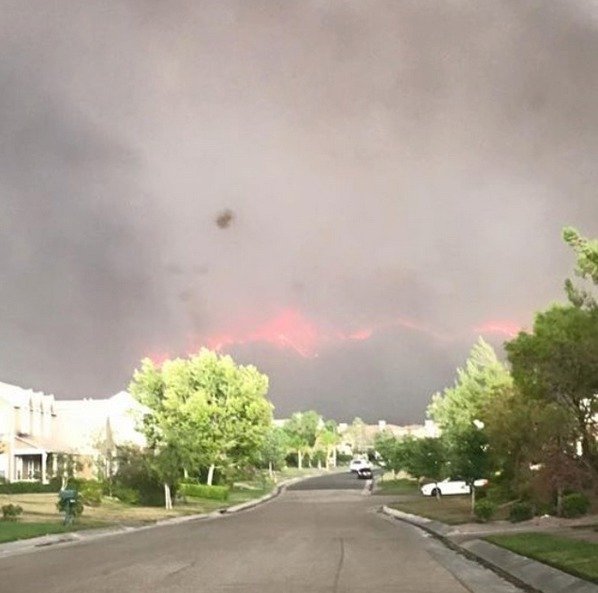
x=436, y=492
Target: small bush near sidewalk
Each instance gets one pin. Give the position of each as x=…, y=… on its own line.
x=484, y=510
x=204, y=491
x=575, y=505
x=11, y=512
x=91, y=493
x=577, y=557
x=521, y=511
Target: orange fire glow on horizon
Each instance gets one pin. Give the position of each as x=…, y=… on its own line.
x=291, y=330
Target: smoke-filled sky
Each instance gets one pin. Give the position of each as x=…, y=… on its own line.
x=344, y=193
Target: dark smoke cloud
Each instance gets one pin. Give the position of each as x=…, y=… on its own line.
x=412, y=159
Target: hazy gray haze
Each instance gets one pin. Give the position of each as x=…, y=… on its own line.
x=345, y=193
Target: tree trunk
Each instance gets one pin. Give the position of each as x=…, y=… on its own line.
x=334, y=457
x=319, y=463
x=210, y=475
x=559, y=501
x=270, y=470
x=299, y=460
x=167, y=497
x=472, y=487
x=185, y=473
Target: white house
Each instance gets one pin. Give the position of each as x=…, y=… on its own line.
x=35, y=429
x=28, y=436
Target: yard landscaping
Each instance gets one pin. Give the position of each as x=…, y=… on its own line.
x=40, y=516
x=577, y=557
x=453, y=510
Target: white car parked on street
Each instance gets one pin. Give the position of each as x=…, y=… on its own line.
x=449, y=486
x=357, y=464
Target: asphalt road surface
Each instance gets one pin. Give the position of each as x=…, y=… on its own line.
x=307, y=540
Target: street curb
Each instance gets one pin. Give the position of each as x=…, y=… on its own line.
x=519, y=570
x=73, y=537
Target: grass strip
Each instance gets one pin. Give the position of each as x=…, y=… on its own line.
x=577, y=557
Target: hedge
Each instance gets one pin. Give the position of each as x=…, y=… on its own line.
x=27, y=488
x=204, y=491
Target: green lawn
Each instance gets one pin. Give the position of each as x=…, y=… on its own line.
x=576, y=557
x=401, y=486
x=12, y=530
x=40, y=516
x=453, y=510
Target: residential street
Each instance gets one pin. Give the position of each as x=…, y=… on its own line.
x=307, y=540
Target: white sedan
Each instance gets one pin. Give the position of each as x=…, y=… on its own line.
x=449, y=486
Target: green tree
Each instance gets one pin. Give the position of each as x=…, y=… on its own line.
x=204, y=411
x=388, y=448
x=326, y=441
x=558, y=363
x=423, y=458
x=302, y=430
x=469, y=457
x=586, y=251
x=482, y=382
x=274, y=450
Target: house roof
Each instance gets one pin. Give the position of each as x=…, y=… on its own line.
x=20, y=397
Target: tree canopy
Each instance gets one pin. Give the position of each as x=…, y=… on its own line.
x=203, y=410
x=558, y=363
x=483, y=380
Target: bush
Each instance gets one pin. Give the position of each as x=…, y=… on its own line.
x=135, y=473
x=91, y=493
x=27, y=488
x=204, y=491
x=521, y=511
x=484, y=510
x=126, y=495
x=575, y=505
x=11, y=512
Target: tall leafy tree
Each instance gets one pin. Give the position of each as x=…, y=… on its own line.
x=558, y=363
x=274, y=450
x=326, y=441
x=388, y=448
x=302, y=430
x=481, y=382
x=469, y=457
x=204, y=411
x=422, y=458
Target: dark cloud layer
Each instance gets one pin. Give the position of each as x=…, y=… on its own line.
x=170, y=171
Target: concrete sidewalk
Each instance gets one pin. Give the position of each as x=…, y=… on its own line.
x=524, y=572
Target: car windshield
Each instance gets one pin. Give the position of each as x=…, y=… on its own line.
x=270, y=270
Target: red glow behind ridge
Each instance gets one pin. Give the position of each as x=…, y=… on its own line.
x=291, y=330
x=504, y=328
